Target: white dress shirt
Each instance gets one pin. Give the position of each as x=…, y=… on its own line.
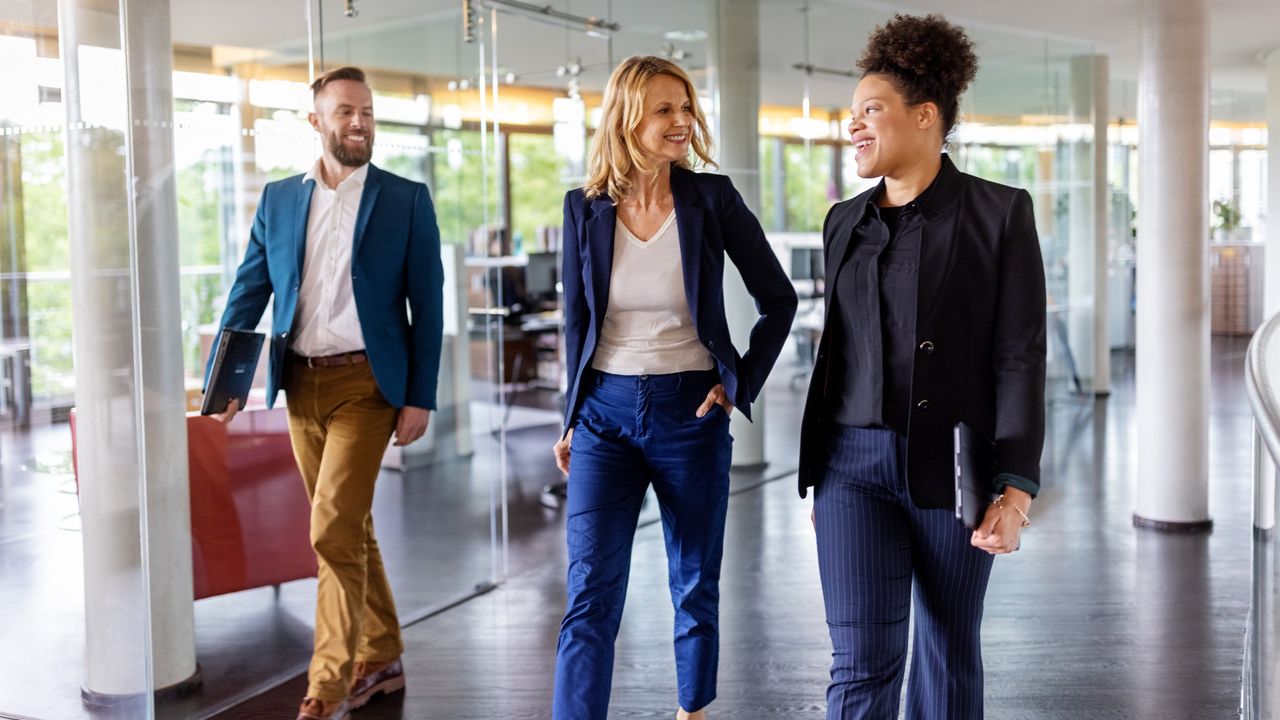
x=326, y=322
x=647, y=328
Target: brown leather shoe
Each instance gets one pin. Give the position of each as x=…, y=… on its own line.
x=371, y=679
x=314, y=709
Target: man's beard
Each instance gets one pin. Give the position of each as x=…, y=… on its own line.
x=351, y=157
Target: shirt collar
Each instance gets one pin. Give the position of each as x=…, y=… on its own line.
x=934, y=201
x=355, y=179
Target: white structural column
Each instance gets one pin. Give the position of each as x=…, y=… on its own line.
x=1272, y=255
x=130, y=400
x=1173, y=297
x=1265, y=475
x=1086, y=301
x=735, y=53
x=1102, y=207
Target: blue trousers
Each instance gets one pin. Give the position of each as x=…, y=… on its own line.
x=633, y=431
x=874, y=544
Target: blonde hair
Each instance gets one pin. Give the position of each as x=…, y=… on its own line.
x=615, y=151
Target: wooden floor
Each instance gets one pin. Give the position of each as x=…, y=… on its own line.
x=1092, y=619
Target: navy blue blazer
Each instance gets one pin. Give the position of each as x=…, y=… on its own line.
x=713, y=221
x=395, y=260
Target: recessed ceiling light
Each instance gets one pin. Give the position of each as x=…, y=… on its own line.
x=685, y=35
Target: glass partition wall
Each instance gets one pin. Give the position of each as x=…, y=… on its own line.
x=440, y=509
x=127, y=189
x=1030, y=125
x=1027, y=121
x=156, y=567
x=87, y=619
x=545, y=71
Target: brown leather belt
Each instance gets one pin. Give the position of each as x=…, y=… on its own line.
x=339, y=360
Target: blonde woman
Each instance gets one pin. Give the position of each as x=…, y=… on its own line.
x=653, y=375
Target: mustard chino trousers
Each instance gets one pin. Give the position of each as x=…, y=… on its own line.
x=339, y=426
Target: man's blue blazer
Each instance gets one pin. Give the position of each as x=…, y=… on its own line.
x=396, y=275
x=713, y=222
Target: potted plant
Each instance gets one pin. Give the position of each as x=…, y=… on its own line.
x=1227, y=214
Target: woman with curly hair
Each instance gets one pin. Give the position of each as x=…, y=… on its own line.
x=936, y=316
x=653, y=374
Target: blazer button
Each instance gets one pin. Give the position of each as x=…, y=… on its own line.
x=711, y=345
x=923, y=405
x=284, y=335
x=926, y=346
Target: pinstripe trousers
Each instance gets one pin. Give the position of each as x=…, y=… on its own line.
x=874, y=545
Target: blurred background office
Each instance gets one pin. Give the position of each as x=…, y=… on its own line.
x=156, y=564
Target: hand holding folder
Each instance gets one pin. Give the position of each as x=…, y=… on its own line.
x=232, y=374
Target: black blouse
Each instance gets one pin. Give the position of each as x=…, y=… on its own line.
x=874, y=307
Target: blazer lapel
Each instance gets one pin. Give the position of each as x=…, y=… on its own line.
x=599, y=229
x=689, y=220
x=940, y=204
x=841, y=241
x=937, y=245
x=372, y=184
x=302, y=209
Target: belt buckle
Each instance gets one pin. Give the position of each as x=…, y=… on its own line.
x=310, y=364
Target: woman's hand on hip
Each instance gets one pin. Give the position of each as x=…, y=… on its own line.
x=561, y=450
x=1001, y=528
x=716, y=396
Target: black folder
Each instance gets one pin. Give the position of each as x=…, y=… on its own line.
x=233, y=369
x=975, y=471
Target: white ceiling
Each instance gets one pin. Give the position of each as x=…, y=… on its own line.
x=1024, y=46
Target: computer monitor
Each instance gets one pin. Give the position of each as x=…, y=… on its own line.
x=507, y=289
x=807, y=264
x=540, y=276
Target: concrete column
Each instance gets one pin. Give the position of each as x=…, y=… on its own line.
x=1265, y=473
x=1173, y=286
x=130, y=401
x=1101, y=205
x=735, y=72
x=1079, y=309
x=1087, y=253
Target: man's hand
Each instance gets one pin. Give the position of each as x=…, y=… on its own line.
x=411, y=424
x=225, y=416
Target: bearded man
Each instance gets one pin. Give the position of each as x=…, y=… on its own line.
x=352, y=255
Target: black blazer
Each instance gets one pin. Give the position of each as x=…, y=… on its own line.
x=713, y=221
x=980, y=333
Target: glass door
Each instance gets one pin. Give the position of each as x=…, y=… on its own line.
x=546, y=70
x=439, y=512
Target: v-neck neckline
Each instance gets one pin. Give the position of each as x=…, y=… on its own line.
x=646, y=243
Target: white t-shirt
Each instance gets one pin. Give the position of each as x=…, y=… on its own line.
x=647, y=327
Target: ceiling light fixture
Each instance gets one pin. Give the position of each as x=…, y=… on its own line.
x=572, y=69
x=670, y=52
x=811, y=69
x=688, y=36
x=594, y=26
x=349, y=8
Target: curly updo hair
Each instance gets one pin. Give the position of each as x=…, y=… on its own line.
x=926, y=58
